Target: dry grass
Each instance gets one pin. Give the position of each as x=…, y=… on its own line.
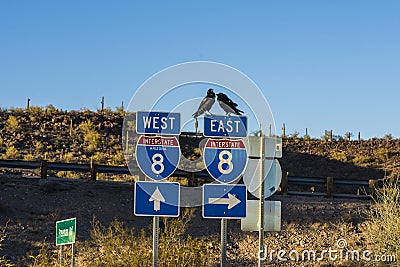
x=383, y=228
x=12, y=124
x=3, y=261
x=117, y=245
x=46, y=257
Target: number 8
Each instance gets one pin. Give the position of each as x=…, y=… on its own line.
x=225, y=161
x=157, y=162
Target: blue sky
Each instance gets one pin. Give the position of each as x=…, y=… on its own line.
x=321, y=64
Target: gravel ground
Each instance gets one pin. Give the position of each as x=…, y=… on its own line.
x=30, y=207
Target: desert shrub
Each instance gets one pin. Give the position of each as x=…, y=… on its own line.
x=388, y=137
x=51, y=110
x=67, y=157
x=45, y=257
x=178, y=250
x=115, y=245
x=38, y=146
x=118, y=158
x=99, y=157
x=340, y=156
x=360, y=159
x=11, y=153
x=87, y=126
x=29, y=157
x=68, y=174
x=16, y=111
x=92, y=140
x=91, y=136
x=3, y=261
x=294, y=135
x=384, y=220
x=118, y=245
x=12, y=124
x=106, y=110
x=36, y=110
x=382, y=154
x=120, y=111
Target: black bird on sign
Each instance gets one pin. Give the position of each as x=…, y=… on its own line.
x=206, y=103
x=228, y=105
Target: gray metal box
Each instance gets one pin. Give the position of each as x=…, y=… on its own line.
x=272, y=145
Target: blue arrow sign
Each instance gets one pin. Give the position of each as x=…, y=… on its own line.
x=225, y=126
x=149, y=122
x=225, y=159
x=224, y=201
x=157, y=199
x=157, y=157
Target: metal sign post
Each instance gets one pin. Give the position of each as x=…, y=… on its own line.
x=225, y=160
x=65, y=235
x=157, y=157
x=224, y=227
x=73, y=255
x=262, y=200
x=156, y=224
x=61, y=255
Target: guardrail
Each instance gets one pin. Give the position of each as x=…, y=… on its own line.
x=328, y=182
x=93, y=169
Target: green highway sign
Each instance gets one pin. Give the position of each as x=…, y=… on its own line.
x=65, y=232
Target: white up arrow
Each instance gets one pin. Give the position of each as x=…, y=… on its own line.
x=232, y=201
x=157, y=197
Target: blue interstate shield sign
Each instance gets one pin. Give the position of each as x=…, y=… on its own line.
x=225, y=159
x=157, y=157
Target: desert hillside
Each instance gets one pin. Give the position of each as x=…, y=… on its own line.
x=82, y=136
x=29, y=207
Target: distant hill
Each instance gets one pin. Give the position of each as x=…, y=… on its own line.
x=82, y=136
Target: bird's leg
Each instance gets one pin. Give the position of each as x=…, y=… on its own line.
x=208, y=113
x=196, y=125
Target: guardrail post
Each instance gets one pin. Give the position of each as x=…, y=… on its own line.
x=93, y=172
x=373, y=185
x=43, y=169
x=329, y=187
x=284, y=183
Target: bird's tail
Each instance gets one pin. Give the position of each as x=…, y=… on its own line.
x=195, y=115
x=239, y=112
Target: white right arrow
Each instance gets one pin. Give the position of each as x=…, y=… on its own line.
x=157, y=197
x=232, y=201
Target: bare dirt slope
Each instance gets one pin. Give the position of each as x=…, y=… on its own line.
x=31, y=206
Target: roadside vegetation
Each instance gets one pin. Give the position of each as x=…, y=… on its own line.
x=3, y=261
x=86, y=136
x=383, y=228
x=117, y=245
